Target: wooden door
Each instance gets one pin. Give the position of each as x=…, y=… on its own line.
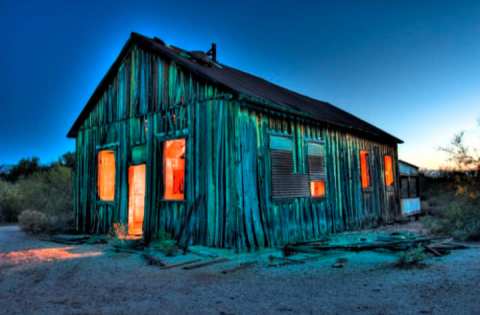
x=136, y=199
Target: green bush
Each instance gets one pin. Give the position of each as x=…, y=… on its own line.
x=460, y=219
x=33, y=221
x=164, y=243
x=47, y=191
x=412, y=258
x=10, y=202
x=457, y=210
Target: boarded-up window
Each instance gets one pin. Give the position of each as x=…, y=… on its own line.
x=285, y=184
x=388, y=164
x=174, y=169
x=106, y=175
x=316, y=169
x=364, y=169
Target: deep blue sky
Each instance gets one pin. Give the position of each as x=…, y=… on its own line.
x=410, y=67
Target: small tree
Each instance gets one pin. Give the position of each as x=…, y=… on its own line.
x=460, y=214
x=465, y=159
x=24, y=168
x=68, y=160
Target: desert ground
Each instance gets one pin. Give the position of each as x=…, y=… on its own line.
x=41, y=277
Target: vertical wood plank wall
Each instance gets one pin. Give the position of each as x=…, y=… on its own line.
x=227, y=164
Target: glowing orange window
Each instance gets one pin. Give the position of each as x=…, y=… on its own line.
x=317, y=188
x=365, y=172
x=388, y=162
x=174, y=169
x=106, y=175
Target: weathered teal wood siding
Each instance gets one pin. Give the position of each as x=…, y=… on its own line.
x=150, y=100
x=228, y=171
x=273, y=222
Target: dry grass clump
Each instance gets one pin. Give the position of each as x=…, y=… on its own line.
x=412, y=258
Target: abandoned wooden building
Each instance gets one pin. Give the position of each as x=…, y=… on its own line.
x=175, y=141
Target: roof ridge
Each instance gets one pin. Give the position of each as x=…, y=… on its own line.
x=242, y=82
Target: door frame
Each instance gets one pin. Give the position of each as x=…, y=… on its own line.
x=129, y=233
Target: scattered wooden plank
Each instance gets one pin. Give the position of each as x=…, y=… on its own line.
x=449, y=246
x=152, y=260
x=205, y=263
x=118, y=249
x=202, y=254
x=398, y=245
x=242, y=266
x=316, y=241
x=433, y=250
x=311, y=258
x=181, y=264
x=283, y=261
x=300, y=249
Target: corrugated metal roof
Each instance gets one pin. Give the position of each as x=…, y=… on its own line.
x=242, y=83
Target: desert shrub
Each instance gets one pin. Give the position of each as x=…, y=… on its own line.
x=163, y=242
x=459, y=219
x=412, y=258
x=47, y=189
x=168, y=247
x=10, y=202
x=457, y=197
x=33, y=221
x=50, y=192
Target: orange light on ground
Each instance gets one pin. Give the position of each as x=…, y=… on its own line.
x=317, y=188
x=388, y=170
x=45, y=255
x=106, y=175
x=365, y=173
x=174, y=169
x=136, y=199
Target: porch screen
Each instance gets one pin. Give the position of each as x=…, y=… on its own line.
x=106, y=175
x=364, y=169
x=174, y=169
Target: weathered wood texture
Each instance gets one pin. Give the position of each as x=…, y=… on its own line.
x=227, y=163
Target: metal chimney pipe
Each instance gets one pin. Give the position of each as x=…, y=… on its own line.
x=214, y=52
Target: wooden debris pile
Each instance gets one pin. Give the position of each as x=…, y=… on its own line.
x=396, y=241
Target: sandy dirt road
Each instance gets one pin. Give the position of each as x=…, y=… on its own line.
x=38, y=277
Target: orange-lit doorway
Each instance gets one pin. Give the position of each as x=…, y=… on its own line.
x=136, y=199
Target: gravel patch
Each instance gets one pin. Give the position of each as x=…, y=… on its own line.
x=38, y=277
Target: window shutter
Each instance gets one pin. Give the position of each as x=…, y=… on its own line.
x=316, y=160
x=316, y=169
x=285, y=184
